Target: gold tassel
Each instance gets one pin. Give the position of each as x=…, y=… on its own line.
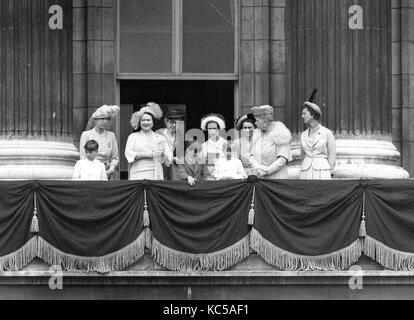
x=148, y=238
x=251, y=212
x=34, y=227
x=362, y=230
x=362, y=227
x=251, y=216
x=145, y=218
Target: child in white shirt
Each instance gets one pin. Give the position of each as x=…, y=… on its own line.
x=229, y=168
x=90, y=169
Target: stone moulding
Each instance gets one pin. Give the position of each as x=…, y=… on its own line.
x=34, y=159
x=359, y=159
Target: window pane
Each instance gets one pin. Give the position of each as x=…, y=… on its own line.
x=146, y=36
x=208, y=36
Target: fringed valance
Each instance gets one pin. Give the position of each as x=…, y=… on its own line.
x=292, y=225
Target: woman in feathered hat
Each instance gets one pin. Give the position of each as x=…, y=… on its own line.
x=212, y=149
x=318, y=147
x=271, y=145
x=146, y=150
x=243, y=146
x=97, y=129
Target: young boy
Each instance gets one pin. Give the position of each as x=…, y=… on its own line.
x=229, y=168
x=90, y=169
x=193, y=169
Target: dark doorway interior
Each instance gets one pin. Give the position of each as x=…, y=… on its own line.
x=200, y=98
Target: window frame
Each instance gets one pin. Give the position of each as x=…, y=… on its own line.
x=177, y=52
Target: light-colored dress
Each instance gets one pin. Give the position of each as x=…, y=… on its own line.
x=271, y=150
x=87, y=170
x=318, y=153
x=108, y=148
x=211, y=151
x=229, y=169
x=242, y=148
x=172, y=169
x=146, y=168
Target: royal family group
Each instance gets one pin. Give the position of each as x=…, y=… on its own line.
x=262, y=147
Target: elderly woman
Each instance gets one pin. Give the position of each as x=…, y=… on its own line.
x=318, y=147
x=271, y=149
x=146, y=150
x=97, y=129
x=243, y=147
x=212, y=149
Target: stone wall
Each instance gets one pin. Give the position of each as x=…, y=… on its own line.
x=94, y=35
x=262, y=63
x=407, y=83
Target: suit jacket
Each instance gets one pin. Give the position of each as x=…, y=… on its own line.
x=196, y=170
x=316, y=154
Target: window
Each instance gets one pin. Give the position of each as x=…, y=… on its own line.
x=178, y=37
x=208, y=36
x=146, y=36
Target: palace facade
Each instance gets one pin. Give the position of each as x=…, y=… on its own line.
x=61, y=59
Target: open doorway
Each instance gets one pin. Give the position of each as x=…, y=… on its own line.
x=199, y=96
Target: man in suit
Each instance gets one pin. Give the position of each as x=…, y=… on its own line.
x=193, y=169
x=174, y=124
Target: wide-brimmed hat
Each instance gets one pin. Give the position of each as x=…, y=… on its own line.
x=151, y=108
x=213, y=117
x=105, y=112
x=242, y=119
x=263, y=112
x=314, y=106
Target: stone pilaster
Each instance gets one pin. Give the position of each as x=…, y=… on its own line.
x=263, y=55
x=407, y=83
x=279, y=40
x=36, y=91
x=352, y=68
x=94, y=59
x=255, y=57
x=100, y=59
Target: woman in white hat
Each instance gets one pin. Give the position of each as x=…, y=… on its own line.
x=318, y=147
x=212, y=149
x=243, y=146
x=97, y=129
x=146, y=150
x=271, y=145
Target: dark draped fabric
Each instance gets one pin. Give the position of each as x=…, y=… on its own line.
x=88, y=218
x=16, y=209
x=308, y=218
x=202, y=219
x=297, y=225
x=390, y=213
